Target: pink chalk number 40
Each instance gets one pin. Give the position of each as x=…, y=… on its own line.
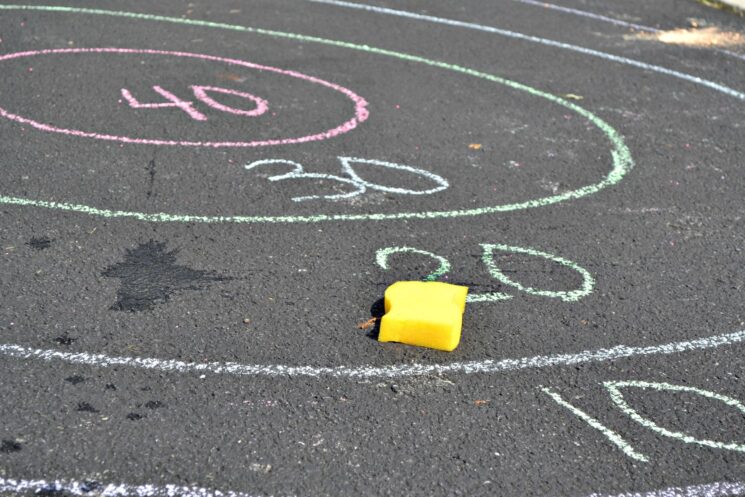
x=201, y=93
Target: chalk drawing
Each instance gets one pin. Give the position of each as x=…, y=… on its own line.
x=299, y=173
x=173, y=101
x=346, y=165
x=614, y=389
x=473, y=298
x=718, y=489
x=572, y=296
x=622, y=158
x=93, y=488
x=369, y=371
x=360, y=104
x=618, y=352
x=381, y=257
x=536, y=39
x=201, y=93
x=584, y=13
x=360, y=185
x=88, y=488
x=611, y=435
x=588, y=282
x=620, y=154
x=611, y=20
x=400, y=13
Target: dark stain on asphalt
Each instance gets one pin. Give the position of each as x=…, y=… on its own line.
x=50, y=490
x=90, y=486
x=39, y=243
x=56, y=490
x=151, y=172
x=65, y=339
x=86, y=407
x=8, y=446
x=75, y=380
x=150, y=275
x=110, y=386
x=154, y=404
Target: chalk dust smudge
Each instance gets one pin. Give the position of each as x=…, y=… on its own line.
x=703, y=37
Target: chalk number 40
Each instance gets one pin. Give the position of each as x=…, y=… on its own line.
x=202, y=94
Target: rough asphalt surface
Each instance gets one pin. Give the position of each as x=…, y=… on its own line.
x=97, y=307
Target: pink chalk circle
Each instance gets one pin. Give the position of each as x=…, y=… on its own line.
x=201, y=93
x=360, y=104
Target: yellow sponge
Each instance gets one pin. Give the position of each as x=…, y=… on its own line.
x=426, y=314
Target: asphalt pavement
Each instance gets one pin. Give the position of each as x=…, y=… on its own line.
x=201, y=205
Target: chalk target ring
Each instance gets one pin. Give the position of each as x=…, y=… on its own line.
x=617, y=352
x=621, y=159
x=622, y=163
x=360, y=104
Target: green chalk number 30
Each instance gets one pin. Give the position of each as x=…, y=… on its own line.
x=588, y=283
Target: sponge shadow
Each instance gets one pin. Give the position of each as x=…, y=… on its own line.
x=376, y=311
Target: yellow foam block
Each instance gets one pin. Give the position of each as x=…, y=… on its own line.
x=426, y=314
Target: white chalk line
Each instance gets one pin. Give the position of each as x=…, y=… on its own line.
x=84, y=488
x=367, y=371
x=611, y=435
x=90, y=488
x=718, y=489
x=585, y=13
x=536, y=39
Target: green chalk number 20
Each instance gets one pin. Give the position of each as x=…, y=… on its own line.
x=588, y=283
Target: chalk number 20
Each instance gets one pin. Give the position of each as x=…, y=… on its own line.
x=488, y=249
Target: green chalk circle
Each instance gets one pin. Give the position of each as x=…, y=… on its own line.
x=622, y=161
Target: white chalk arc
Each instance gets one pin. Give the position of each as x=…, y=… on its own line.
x=86, y=488
x=370, y=371
x=92, y=488
x=541, y=41
x=717, y=489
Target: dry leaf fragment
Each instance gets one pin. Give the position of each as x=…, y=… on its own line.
x=366, y=325
x=475, y=146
